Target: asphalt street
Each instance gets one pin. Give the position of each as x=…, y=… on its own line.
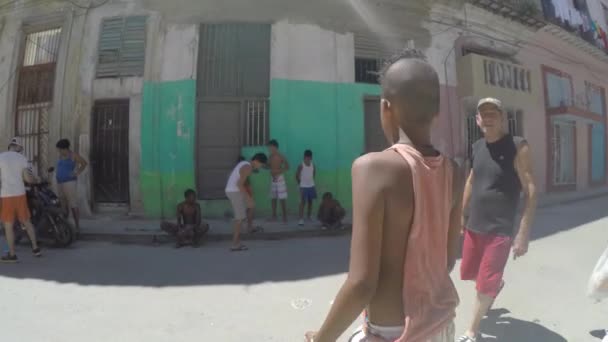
x=279, y=289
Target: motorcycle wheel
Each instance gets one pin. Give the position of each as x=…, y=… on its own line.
x=64, y=234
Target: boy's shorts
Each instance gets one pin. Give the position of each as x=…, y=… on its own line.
x=278, y=188
x=308, y=194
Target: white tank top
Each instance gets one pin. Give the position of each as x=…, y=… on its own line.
x=233, y=180
x=307, y=176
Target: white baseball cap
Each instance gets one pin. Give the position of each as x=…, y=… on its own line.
x=16, y=141
x=490, y=100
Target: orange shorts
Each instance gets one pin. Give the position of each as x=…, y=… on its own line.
x=12, y=208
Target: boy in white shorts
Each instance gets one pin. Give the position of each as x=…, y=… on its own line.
x=278, y=186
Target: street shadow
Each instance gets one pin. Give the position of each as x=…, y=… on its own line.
x=560, y=218
x=599, y=334
x=499, y=328
x=105, y=264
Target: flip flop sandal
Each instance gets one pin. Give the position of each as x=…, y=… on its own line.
x=240, y=248
x=256, y=230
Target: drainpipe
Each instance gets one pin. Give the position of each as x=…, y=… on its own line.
x=67, y=54
x=447, y=86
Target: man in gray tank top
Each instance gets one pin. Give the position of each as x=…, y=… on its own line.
x=501, y=169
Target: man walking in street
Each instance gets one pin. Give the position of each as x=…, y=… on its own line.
x=278, y=185
x=406, y=228
x=501, y=168
x=14, y=170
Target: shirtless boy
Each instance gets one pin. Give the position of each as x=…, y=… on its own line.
x=278, y=187
x=406, y=222
x=189, y=228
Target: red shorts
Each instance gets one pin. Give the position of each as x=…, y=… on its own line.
x=484, y=257
x=14, y=208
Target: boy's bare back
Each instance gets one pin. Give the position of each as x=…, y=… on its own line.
x=389, y=183
x=386, y=179
x=383, y=213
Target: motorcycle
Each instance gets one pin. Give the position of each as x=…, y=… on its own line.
x=47, y=216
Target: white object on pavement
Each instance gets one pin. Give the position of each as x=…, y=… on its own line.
x=598, y=283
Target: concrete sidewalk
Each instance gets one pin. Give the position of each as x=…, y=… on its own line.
x=555, y=199
x=125, y=229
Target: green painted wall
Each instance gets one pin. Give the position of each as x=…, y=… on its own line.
x=167, y=143
x=327, y=118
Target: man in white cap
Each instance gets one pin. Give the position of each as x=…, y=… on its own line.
x=501, y=169
x=14, y=170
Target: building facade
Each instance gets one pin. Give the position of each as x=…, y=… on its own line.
x=553, y=86
x=162, y=97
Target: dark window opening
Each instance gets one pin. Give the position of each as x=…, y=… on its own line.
x=367, y=70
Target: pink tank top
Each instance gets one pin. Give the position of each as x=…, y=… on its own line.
x=429, y=295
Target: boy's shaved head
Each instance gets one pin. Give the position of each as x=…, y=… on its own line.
x=412, y=84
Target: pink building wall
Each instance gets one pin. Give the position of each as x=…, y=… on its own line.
x=548, y=50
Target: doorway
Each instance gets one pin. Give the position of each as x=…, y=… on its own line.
x=110, y=151
x=233, y=89
x=375, y=141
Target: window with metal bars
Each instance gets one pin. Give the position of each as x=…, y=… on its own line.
x=122, y=47
x=594, y=98
x=563, y=144
x=367, y=69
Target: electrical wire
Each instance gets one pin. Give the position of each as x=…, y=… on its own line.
x=24, y=5
x=10, y=77
x=518, y=44
x=483, y=28
x=12, y=74
x=91, y=6
x=518, y=41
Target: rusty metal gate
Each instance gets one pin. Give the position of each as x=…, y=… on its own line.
x=35, y=95
x=233, y=88
x=110, y=151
